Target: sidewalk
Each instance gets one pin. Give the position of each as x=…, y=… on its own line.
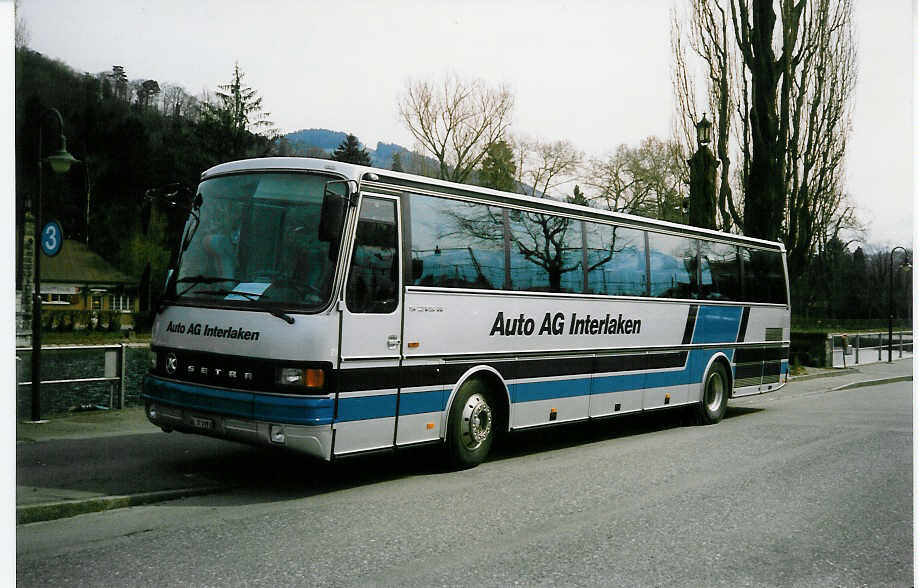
x=93, y=461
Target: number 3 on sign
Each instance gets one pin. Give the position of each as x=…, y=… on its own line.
x=52, y=238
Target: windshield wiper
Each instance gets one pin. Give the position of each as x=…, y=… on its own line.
x=253, y=297
x=202, y=279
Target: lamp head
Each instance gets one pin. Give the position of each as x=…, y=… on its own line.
x=61, y=160
x=703, y=130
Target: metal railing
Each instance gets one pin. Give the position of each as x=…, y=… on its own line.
x=860, y=348
x=114, y=371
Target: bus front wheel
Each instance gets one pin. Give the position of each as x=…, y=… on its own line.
x=713, y=405
x=470, y=430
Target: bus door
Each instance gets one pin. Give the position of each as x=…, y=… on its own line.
x=371, y=332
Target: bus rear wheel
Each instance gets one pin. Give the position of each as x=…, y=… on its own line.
x=470, y=429
x=713, y=405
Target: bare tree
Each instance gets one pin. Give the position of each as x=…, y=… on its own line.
x=543, y=167
x=21, y=34
x=709, y=35
x=819, y=119
x=779, y=88
x=176, y=102
x=456, y=121
x=649, y=180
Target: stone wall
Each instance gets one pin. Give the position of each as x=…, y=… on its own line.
x=68, y=364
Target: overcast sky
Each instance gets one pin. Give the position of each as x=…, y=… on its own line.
x=594, y=72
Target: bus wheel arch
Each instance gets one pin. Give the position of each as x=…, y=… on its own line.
x=716, y=389
x=478, y=410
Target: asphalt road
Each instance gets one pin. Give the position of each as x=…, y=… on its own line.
x=796, y=488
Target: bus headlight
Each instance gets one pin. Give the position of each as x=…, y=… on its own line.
x=305, y=377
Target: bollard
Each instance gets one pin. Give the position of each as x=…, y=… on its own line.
x=857, y=349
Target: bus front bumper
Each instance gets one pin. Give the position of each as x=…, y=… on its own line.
x=171, y=414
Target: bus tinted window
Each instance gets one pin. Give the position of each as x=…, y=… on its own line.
x=372, y=284
x=763, y=276
x=672, y=266
x=616, y=261
x=720, y=277
x=456, y=244
x=546, y=253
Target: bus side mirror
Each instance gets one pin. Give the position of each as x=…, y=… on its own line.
x=334, y=208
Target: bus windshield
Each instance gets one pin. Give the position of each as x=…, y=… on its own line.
x=257, y=242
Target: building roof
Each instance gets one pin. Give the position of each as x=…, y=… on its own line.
x=77, y=264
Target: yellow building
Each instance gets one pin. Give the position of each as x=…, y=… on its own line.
x=76, y=279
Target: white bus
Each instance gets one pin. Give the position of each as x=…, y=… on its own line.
x=336, y=309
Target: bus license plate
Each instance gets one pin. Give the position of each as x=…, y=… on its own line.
x=202, y=423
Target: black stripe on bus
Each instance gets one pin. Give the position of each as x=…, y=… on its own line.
x=357, y=379
x=360, y=379
x=690, y=324
x=760, y=354
x=742, y=327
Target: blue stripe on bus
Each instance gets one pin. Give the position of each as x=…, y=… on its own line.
x=294, y=410
x=530, y=391
x=198, y=397
x=305, y=410
x=360, y=408
x=383, y=406
x=421, y=402
x=717, y=324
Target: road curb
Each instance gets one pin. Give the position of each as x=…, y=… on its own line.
x=864, y=383
x=48, y=511
x=832, y=374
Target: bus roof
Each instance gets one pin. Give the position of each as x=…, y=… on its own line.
x=399, y=181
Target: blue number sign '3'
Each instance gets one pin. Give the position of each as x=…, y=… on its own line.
x=52, y=238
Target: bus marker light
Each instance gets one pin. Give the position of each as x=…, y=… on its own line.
x=414, y=344
x=430, y=426
x=553, y=414
x=666, y=400
x=315, y=378
x=307, y=377
x=277, y=434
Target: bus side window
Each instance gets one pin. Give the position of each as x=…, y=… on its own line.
x=673, y=266
x=372, y=284
x=720, y=279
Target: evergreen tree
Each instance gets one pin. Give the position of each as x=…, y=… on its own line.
x=397, y=162
x=239, y=118
x=578, y=197
x=120, y=81
x=497, y=168
x=350, y=151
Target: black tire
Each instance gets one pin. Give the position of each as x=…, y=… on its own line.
x=713, y=405
x=471, y=425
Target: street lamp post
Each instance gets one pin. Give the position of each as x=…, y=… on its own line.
x=702, y=170
x=60, y=162
x=892, y=254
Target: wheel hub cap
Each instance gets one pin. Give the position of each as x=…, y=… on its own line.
x=714, y=392
x=476, y=419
